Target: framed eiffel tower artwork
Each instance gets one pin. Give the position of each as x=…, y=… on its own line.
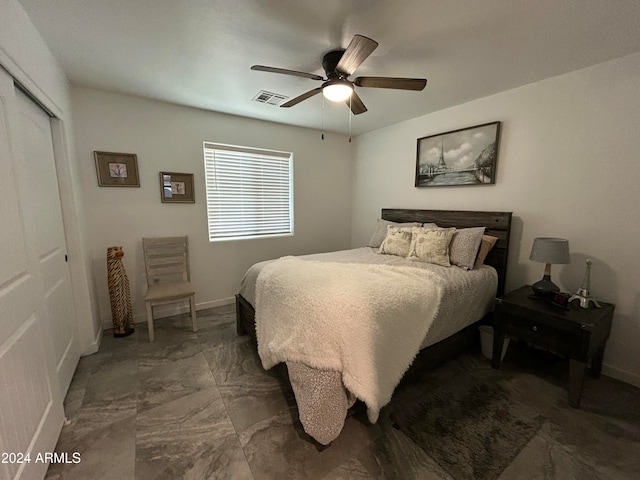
x=463, y=157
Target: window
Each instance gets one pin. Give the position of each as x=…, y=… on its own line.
x=249, y=192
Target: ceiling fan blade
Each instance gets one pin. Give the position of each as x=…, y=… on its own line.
x=284, y=71
x=356, y=104
x=356, y=53
x=390, y=82
x=302, y=97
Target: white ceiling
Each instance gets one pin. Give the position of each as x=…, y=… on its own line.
x=199, y=52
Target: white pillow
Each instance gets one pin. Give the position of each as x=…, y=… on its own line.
x=397, y=241
x=381, y=231
x=431, y=245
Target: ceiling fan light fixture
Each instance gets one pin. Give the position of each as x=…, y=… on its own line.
x=337, y=90
x=339, y=65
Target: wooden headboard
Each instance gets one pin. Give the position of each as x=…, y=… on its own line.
x=498, y=225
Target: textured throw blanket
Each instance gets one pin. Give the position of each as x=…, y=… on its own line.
x=364, y=321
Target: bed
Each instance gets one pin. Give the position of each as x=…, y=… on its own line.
x=325, y=389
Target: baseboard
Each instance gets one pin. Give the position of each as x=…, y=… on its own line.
x=622, y=375
x=216, y=303
x=177, y=309
x=95, y=345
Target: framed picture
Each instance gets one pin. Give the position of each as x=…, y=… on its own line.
x=461, y=157
x=117, y=169
x=176, y=187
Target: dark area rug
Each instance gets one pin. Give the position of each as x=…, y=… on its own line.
x=467, y=423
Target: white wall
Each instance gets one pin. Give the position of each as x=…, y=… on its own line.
x=568, y=166
x=167, y=137
x=27, y=58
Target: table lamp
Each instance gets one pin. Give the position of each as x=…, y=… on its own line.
x=548, y=250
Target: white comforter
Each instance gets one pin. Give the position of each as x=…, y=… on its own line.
x=320, y=393
x=365, y=321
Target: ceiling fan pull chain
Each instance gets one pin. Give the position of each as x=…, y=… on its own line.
x=350, y=115
x=323, y=117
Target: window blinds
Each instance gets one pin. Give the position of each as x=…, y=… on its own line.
x=249, y=192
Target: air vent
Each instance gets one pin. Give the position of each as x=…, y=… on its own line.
x=269, y=97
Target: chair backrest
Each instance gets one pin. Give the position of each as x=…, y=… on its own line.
x=166, y=259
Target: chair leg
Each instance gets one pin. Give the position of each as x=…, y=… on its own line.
x=192, y=302
x=150, y=321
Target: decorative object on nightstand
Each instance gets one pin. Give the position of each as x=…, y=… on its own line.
x=583, y=294
x=548, y=250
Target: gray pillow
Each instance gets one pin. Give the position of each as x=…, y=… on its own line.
x=380, y=232
x=464, y=246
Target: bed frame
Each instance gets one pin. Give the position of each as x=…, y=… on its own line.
x=498, y=225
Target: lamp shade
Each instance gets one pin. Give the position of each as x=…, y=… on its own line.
x=550, y=250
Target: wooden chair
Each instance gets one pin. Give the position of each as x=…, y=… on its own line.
x=168, y=278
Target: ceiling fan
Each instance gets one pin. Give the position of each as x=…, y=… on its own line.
x=339, y=65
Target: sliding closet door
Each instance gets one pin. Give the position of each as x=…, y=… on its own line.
x=31, y=411
x=38, y=185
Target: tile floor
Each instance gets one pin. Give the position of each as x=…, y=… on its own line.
x=199, y=406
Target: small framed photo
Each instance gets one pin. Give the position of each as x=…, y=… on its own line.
x=176, y=187
x=117, y=169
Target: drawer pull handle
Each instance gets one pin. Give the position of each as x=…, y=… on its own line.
x=535, y=329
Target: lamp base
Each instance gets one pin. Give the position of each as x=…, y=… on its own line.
x=545, y=288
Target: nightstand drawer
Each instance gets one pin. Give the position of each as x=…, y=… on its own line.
x=529, y=326
x=561, y=341
x=539, y=318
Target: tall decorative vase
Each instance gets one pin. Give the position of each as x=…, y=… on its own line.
x=119, y=293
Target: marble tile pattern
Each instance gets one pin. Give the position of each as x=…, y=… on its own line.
x=200, y=406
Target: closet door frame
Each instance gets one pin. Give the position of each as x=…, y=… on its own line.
x=31, y=393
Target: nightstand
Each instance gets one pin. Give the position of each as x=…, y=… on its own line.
x=577, y=333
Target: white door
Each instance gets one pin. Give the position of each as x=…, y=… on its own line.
x=31, y=411
x=44, y=229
